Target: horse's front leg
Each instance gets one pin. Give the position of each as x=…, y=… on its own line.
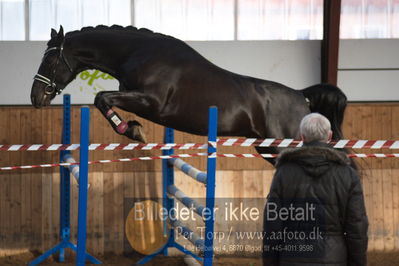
x=127, y=101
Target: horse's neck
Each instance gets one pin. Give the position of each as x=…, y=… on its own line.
x=95, y=53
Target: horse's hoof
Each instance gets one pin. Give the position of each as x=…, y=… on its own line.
x=136, y=132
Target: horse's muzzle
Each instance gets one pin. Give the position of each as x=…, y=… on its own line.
x=40, y=101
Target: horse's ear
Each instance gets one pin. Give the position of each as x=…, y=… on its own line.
x=53, y=33
x=61, y=32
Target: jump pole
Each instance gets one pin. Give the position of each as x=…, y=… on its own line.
x=169, y=195
x=83, y=180
x=65, y=182
x=210, y=186
x=65, y=190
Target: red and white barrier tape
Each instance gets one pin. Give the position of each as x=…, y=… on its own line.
x=266, y=155
x=106, y=161
x=281, y=143
x=284, y=143
x=103, y=147
x=226, y=155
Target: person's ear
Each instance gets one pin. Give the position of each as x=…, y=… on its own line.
x=302, y=138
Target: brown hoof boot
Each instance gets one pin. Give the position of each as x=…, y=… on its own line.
x=136, y=132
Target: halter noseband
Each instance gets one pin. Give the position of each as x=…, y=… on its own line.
x=51, y=85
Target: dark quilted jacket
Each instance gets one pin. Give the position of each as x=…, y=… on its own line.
x=318, y=176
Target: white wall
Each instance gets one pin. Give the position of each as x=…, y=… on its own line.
x=295, y=64
x=369, y=69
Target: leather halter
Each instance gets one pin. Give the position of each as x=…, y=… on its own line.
x=51, y=85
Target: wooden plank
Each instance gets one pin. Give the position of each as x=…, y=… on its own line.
x=5, y=223
x=96, y=212
x=95, y=216
x=395, y=177
x=362, y=121
x=223, y=197
x=108, y=212
x=75, y=138
x=46, y=182
x=119, y=223
x=96, y=136
x=100, y=214
x=129, y=185
x=113, y=212
x=389, y=241
x=384, y=120
x=26, y=180
x=252, y=199
x=378, y=219
x=15, y=184
x=36, y=132
x=56, y=133
x=90, y=230
x=395, y=206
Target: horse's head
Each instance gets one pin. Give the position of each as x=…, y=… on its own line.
x=54, y=73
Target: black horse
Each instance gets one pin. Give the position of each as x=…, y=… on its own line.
x=164, y=80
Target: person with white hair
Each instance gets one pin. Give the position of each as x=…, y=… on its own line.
x=315, y=127
x=315, y=212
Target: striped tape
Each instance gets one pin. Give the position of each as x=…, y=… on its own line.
x=292, y=143
x=268, y=155
x=105, y=161
x=104, y=147
x=225, y=155
x=270, y=142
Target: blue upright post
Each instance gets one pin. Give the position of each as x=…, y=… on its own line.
x=83, y=176
x=168, y=174
x=65, y=192
x=168, y=202
x=65, y=187
x=210, y=188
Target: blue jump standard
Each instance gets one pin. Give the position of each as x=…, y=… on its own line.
x=205, y=246
x=65, y=227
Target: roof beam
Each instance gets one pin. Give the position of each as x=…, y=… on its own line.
x=330, y=42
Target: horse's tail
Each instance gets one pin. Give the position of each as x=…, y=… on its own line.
x=329, y=101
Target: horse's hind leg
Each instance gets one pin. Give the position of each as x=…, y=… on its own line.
x=127, y=101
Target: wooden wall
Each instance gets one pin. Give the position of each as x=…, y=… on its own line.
x=29, y=199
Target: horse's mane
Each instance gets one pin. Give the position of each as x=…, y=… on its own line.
x=127, y=30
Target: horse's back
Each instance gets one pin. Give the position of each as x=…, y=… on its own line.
x=185, y=84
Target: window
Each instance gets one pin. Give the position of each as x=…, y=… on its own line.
x=42, y=15
x=74, y=14
x=232, y=19
x=365, y=19
x=187, y=19
x=12, y=20
x=280, y=20
x=201, y=19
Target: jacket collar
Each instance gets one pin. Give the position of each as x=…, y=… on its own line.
x=313, y=149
